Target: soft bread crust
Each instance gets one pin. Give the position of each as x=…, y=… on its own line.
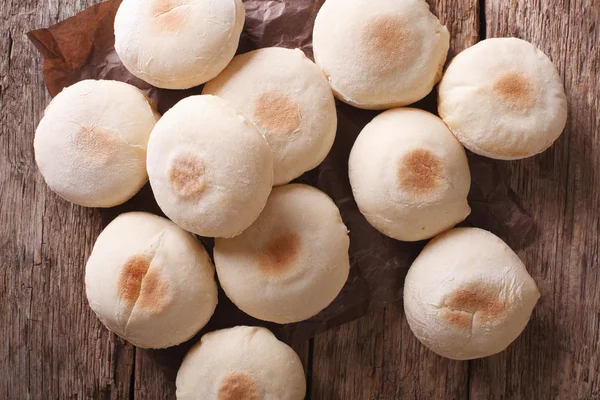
x=149, y=281
x=503, y=98
x=241, y=363
x=379, y=54
x=177, y=44
x=409, y=175
x=468, y=295
x=291, y=262
x=90, y=146
x=290, y=101
x=210, y=169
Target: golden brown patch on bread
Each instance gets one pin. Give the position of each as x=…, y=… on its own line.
x=278, y=255
x=238, y=386
x=274, y=112
x=420, y=172
x=516, y=90
x=457, y=318
x=475, y=298
x=154, y=292
x=130, y=282
x=138, y=286
x=186, y=175
x=168, y=15
x=387, y=43
x=98, y=145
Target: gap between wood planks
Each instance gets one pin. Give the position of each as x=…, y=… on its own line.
x=132, y=378
x=482, y=35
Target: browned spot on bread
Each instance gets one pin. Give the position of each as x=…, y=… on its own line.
x=387, y=43
x=97, y=145
x=459, y=319
x=516, y=90
x=274, y=112
x=420, y=172
x=168, y=15
x=238, y=386
x=154, y=293
x=186, y=175
x=475, y=298
x=278, y=255
x=130, y=282
x=142, y=287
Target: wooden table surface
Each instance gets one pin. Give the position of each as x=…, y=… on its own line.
x=53, y=347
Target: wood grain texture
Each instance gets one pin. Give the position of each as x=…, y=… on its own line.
x=558, y=355
x=151, y=379
x=53, y=346
x=378, y=357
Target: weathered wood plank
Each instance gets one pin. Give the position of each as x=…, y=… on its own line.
x=53, y=346
x=152, y=379
x=558, y=356
x=377, y=357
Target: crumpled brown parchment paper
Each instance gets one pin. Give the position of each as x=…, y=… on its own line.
x=81, y=47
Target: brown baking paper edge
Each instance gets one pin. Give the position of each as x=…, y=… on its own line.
x=82, y=47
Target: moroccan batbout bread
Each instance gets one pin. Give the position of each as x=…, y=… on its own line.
x=409, y=175
x=380, y=54
x=149, y=281
x=177, y=44
x=468, y=295
x=210, y=169
x=90, y=145
x=241, y=363
x=291, y=262
x=503, y=98
x=290, y=101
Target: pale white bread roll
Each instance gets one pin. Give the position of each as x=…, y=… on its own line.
x=468, y=295
x=503, y=98
x=409, y=175
x=380, y=54
x=149, y=281
x=291, y=262
x=177, y=44
x=90, y=146
x=241, y=363
x=210, y=169
x=290, y=101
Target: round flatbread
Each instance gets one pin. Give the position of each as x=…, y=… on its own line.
x=468, y=295
x=290, y=101
x=380, y=54
x=291, y=262
x=210, y=169
x=90, y=146
x=177, y=44
x=241, y=363
x=409, y=175
x=503, y=98
x=149, y=281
